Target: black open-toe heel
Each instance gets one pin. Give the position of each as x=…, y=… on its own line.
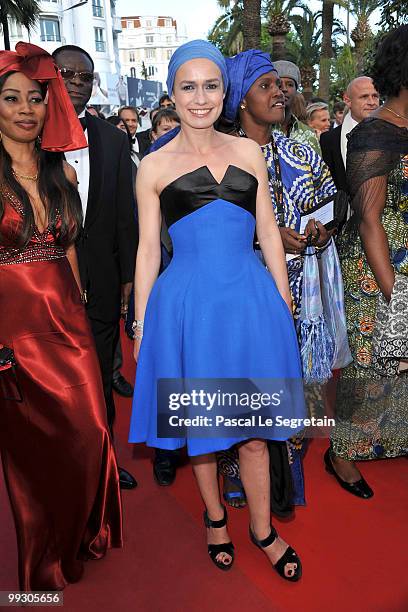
x=215, y=549
x=289, y=556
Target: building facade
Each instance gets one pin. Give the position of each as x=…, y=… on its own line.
x=90, y=24
x=146, y=44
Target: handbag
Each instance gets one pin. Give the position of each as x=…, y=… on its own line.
x=316, y=344
x=332, y=292
x=8, y=376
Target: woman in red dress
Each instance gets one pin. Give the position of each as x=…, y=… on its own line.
x=58, y=461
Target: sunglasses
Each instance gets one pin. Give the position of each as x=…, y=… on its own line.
x=68, y=73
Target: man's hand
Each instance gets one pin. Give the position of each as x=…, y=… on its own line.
x=126, y=290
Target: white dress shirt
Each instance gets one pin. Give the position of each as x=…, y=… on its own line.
x=134, y=153
x=348, y=124
x=79, y=160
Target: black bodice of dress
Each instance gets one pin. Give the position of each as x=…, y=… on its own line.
x=195, y=189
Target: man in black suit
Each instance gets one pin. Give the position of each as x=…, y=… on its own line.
x=140, y=140
x=362, y=99
x=107, y=248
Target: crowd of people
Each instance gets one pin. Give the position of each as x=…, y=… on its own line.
x=246, y=235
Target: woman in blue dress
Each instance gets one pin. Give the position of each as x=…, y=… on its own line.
x=216, y=312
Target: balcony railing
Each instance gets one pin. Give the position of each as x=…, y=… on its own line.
x=100, y=45
x=50, y=37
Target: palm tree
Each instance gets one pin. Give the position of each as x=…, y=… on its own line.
x=307, y=45
x=327, y=48
x=362, y=9
x=252, y=24
x=24, y=12
x=227, y=32
x=279, y=20
x=327, y=52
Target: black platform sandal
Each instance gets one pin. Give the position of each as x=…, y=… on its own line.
x=215, y=549
x=289, y=556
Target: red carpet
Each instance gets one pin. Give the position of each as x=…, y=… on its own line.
x=353, y=551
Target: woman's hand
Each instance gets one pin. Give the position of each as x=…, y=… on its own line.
x=293, y=242
x=320, y=235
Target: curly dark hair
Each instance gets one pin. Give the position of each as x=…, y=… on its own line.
x=390, y=70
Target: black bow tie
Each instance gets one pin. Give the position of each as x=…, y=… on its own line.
x=133, y=139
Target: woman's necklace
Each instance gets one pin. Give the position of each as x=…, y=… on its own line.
x=395, y=113
x=27, y=177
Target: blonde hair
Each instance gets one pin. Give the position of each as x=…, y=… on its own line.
x=315, y=106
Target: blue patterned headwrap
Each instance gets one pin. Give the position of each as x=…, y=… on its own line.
x=195, y=49
x=243, y=70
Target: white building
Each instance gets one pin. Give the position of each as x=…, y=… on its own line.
x=149, y=42
x=90, y=24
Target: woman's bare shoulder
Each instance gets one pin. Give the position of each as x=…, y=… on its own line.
x=70, y=173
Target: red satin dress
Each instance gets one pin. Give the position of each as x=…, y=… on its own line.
x=58, y=460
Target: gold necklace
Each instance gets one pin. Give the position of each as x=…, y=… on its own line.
x=27, y=177
x=395, y=113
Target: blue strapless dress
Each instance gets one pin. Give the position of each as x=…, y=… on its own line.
x=215, y=312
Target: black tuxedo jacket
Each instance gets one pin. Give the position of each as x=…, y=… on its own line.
x=107, y=246
x=143, y=138
x=331, y=153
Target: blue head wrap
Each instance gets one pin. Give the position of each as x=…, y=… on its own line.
x=243, y=70
x=193, y=50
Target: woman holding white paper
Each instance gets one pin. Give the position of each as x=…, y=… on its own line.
x=299, y=181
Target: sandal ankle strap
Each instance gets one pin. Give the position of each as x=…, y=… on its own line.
x=266, y=541
x=216, y=524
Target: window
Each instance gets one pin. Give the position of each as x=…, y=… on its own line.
x=150, y=53
x=133, y=72
x=168, y=40
x=50, y=29
x=131, y=56
x=169, y=53
x=130, y=24
x=97, y=8
x=150, y=71
x=100, y=44
x=149, y=39
x=15, y=28
x=148, y=23
x=167, y=23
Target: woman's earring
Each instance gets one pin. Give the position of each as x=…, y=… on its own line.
x=242, y=106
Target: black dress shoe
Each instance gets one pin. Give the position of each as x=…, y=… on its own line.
x=126, y=480
x=122, y=386
x=164, y=468
x=359, y=488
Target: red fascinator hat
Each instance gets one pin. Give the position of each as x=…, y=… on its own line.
x=62, y=130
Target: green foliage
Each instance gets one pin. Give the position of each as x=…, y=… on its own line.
x=226, y=33
x=308, y=38
x=344, y=71
x=24, y=12
x=393, y=14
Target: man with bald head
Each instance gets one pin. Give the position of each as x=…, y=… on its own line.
x=361, y=99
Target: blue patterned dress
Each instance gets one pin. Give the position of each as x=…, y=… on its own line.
x=306, y=181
